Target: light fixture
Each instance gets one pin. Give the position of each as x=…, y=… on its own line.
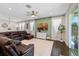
x=33, y=16
x=9, y=13
x=9, y=17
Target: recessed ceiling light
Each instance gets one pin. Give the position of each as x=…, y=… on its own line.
x=10, y=8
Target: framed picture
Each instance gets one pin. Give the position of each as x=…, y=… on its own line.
x=42, y=27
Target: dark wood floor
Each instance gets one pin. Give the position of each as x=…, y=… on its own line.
x=64, y=50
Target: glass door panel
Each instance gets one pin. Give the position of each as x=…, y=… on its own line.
x=73, y=40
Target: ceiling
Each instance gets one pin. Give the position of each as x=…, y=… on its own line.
x=19, y=10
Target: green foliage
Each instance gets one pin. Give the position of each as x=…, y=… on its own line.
x=61, y=28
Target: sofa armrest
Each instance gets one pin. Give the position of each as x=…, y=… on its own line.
x=29, y=51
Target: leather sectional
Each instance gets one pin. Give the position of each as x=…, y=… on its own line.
x=10, y=44
x=18, y=35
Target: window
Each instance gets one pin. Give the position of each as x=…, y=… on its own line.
x=32, y=25
x=21, y=26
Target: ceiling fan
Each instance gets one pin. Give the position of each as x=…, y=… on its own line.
x=32, y=13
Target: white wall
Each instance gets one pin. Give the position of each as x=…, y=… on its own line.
x=11, y=25
x=56, y=35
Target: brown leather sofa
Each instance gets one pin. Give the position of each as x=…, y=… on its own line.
x=15, y=48
x=18, y=35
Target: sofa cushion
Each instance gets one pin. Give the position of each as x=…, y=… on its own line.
x=9, y=42
x=1, y=35
x=10, y=50
x=17, y=42
x=24, y=48
x=3, y=40
x=13, y=45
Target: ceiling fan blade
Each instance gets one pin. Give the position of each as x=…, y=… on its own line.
x=27, y=14
x=36, y=12
x=33, y=11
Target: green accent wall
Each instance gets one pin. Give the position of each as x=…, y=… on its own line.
x=45, y=20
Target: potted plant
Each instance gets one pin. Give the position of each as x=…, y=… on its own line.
x=61, y=28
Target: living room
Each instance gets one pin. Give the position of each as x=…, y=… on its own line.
x=38, y=29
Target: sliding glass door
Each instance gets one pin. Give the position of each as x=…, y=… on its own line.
x=73, y=32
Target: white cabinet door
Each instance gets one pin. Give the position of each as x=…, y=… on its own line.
x=41, y=35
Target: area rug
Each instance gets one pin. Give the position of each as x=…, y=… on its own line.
x=41, y=47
